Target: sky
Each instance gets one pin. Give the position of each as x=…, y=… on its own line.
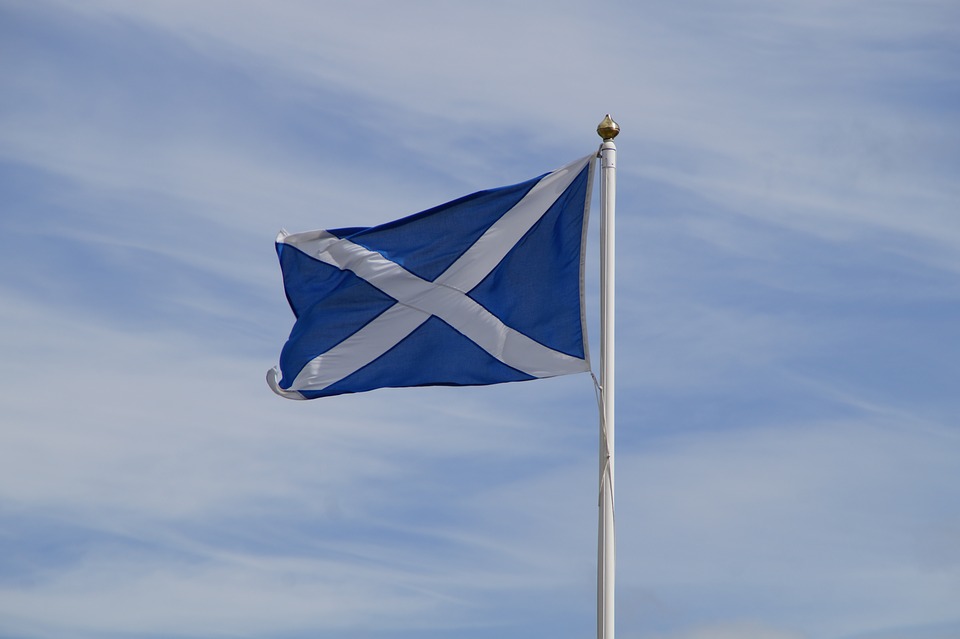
x=788, y=321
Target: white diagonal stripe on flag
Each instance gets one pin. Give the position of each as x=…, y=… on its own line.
x=445, y=298
x=481, y=258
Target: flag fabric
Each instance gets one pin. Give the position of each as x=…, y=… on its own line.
x=485, y=289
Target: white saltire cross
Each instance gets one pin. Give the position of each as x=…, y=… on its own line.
x=445, y=297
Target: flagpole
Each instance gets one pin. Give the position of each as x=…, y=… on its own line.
x=606, y=553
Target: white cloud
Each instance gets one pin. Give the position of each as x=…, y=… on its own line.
x=773, y=156
x=742, y=630
x=829, y=515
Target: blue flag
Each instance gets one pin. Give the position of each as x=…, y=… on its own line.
x=482, y=290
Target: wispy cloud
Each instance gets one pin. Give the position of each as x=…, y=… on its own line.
x=787, y=299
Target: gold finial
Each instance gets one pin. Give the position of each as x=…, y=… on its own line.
x=608, y=129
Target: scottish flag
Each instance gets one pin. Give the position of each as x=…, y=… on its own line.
x=482, y=290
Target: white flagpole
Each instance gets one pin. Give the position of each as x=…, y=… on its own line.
x=607, y=553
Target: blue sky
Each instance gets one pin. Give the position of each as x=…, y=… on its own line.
x=788, y=462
